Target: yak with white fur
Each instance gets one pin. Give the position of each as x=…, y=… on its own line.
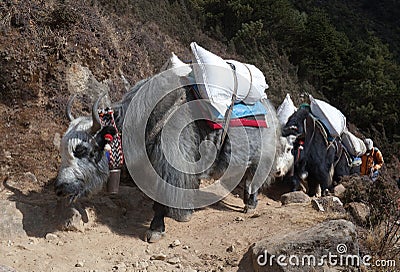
x=84, y=166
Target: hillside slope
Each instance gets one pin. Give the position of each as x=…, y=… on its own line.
x=49, y=49
x=42, y=43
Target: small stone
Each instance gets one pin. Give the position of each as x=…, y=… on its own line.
x=175, y=243
x=159, y=256
x=185, y=247
x=4, y=268
x=339, y=190
x=173, y=260
x=239, y=219
x=79, y=264
x=33, y=241
x=51, y=236
x=57, y=140
x=141, y=264
x=359, y=211
x=328, y=204
x=255, y=215
x=231, y=248
x=120, y=266
x=7, y=155
x=30, y=177
x=316, y=205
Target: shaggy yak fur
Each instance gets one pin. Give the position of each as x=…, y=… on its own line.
x=84, y=168
x=317, y=158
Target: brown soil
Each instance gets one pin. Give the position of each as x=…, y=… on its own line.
x=216, y=239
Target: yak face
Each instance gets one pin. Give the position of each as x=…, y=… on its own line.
x=84, y=166
x=295, y=123
x=284, y=159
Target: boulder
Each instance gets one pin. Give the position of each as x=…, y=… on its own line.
x=69, y=217
x=80, y=80
x=11, y=223
x=359, y=211
x=328, y=204
x=319, y=248
x=339, y=190
x=295, y=197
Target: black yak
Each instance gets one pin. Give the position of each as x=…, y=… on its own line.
x=315, y=160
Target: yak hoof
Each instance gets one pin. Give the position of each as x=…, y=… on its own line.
x=153, y=236
x=249, y=209
x=184, y=217
x=180, y=215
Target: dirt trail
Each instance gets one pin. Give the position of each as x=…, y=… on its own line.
x=216, y=239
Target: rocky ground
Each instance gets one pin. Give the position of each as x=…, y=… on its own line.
x=217, y=238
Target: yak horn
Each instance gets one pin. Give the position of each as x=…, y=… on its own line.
x=69, y=107
x=95, y=116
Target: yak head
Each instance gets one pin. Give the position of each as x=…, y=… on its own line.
x=284, y=160
x=84, y=167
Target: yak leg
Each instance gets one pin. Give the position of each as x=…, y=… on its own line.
x=249, y=198
x=250, y=201
x=313, y=186
x=319, y=185
x=293, y=180
x=295, y=183
x=157, y=226
x=328, y=182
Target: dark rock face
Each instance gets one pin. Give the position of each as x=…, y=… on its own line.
x=328, y=246
x=295, y=197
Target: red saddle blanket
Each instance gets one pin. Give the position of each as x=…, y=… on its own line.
x=256, y=121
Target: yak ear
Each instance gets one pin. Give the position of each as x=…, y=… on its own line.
x=100, y=136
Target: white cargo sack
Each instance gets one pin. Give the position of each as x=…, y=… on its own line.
x=178, y=67
x=285, y=110
x=354, y=145
x=330, y=116
x=216, y=79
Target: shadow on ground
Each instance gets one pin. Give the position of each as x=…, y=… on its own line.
x=127, y=213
